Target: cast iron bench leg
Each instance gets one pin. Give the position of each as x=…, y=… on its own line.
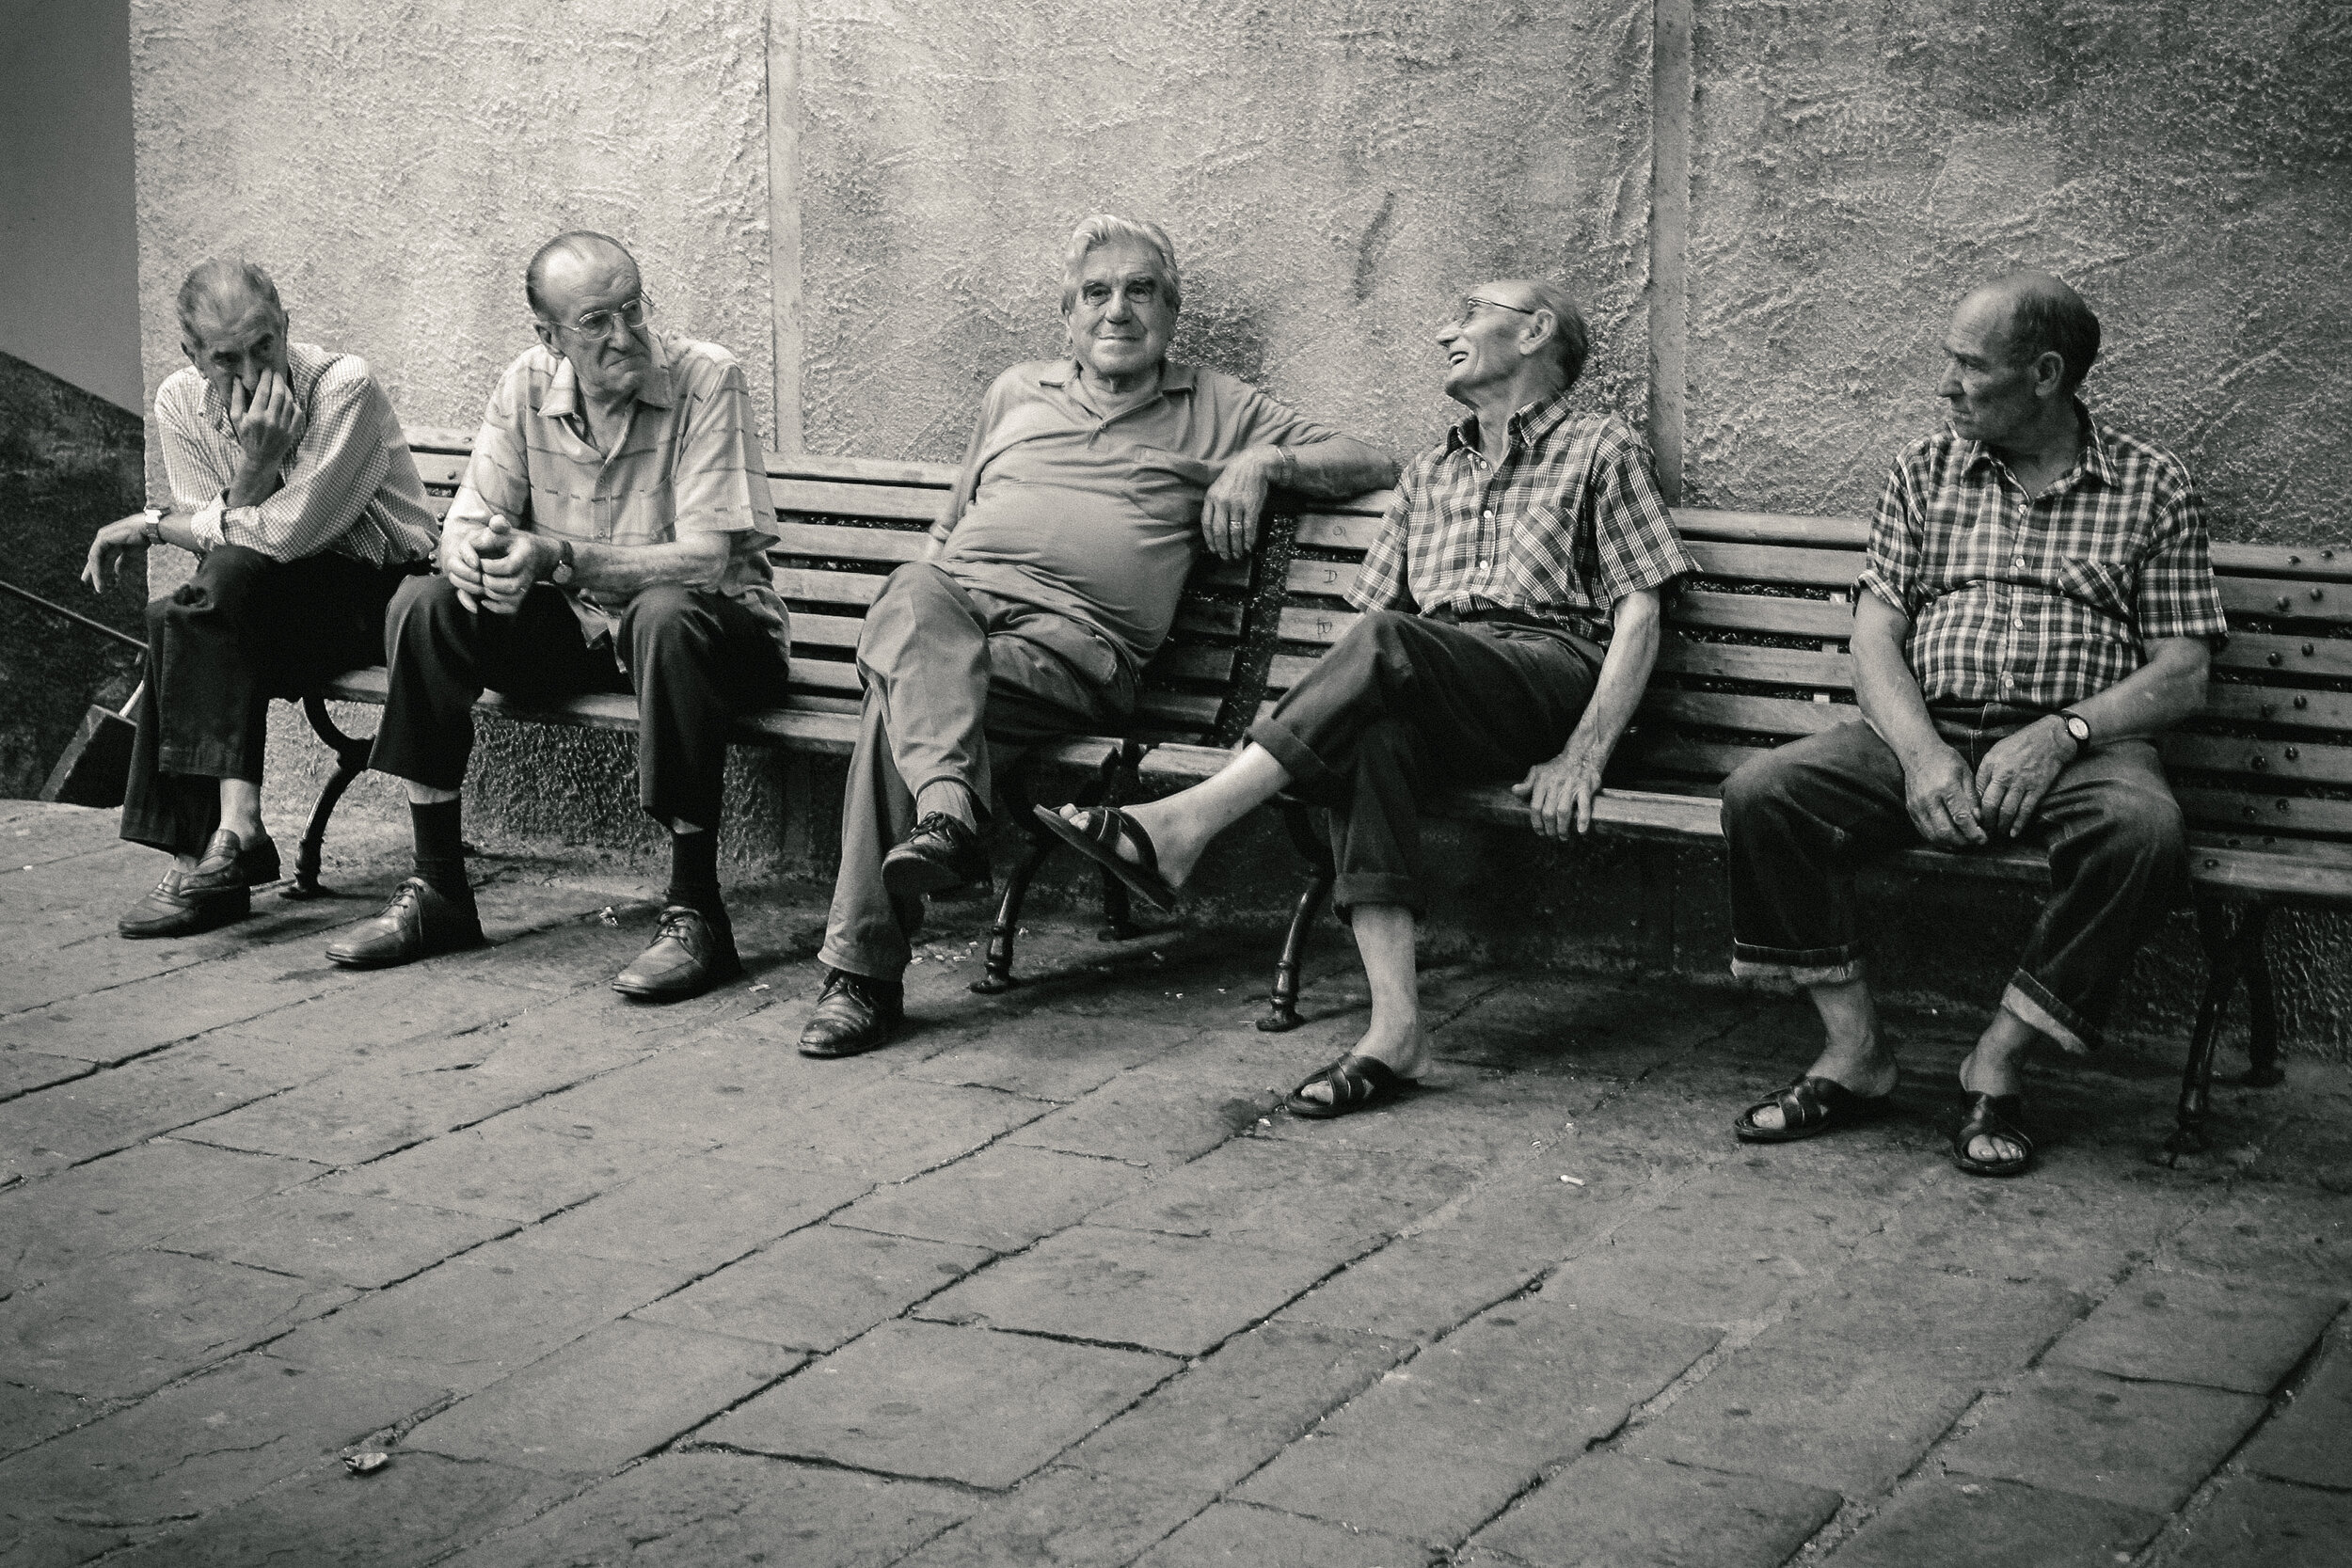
x=2262, y=1036
x=1322, y=874
x=351, y=760
x=1119, y=779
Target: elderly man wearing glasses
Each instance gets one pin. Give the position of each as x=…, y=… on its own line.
x=1514, y=595
x=610, y=537
x=1090, y=486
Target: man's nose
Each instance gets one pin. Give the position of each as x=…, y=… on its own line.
x=1447, y=333
x=1120, y=308
x=1949, y=387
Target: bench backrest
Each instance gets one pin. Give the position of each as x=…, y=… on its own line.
x=844, y=524
x=1755, y=654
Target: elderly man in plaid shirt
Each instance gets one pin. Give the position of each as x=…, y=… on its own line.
x=2037, y=606
x=1513, y=601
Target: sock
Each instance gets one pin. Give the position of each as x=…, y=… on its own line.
x=441, y=850
x=947, y=797
x=695, y=872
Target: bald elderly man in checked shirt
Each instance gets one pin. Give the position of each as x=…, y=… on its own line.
x=291, y=479
x=1512, y=599
x=2037, y=604
x=610, y=536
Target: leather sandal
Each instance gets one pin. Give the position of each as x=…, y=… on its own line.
x=1992, y=1116
x=1096, y=834
x=1808, y=1107
x=1356, y=1083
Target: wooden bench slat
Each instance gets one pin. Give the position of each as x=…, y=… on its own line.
x=2279, y=600
x=1776, y=563
x=2244, y=702
x=799, y=583
x=1329, y=531
x=833, y=499
x=827, y=542
x=825, y=631
x=860, y=470
x=1329, y=579
x=443, y=469
x=1772, y=527
x=2294, y=563
x=1762, y=613
x=1317, y=626
x=1689, y=655
x=2257, y=811
x=1726, y=710
x=2268, y=758
x=832, y=675
x=1194, y=661
x=2287, y=655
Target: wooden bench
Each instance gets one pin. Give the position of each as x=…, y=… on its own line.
x=1755, y=654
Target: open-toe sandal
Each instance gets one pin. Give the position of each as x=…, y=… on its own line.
x=1808, y=1107
x=1356, y=1083
x=1992, y=1116
x=1095, y=833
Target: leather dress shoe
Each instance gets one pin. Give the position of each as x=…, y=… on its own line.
x=232, y=864
x=942, y=855
x=854, y=1014
x=417, y=923
x=692, y=953
x=170, y=911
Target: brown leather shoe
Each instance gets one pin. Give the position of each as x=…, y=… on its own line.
x=853, y=1015
x=169, y=911
x=417, y=923
x=232, y=864
x=692, y=953
x=942, y=857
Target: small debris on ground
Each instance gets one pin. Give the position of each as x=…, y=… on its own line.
x=607, y=915
x=366, y=1464
x=1573, y=1180
x=762, y=986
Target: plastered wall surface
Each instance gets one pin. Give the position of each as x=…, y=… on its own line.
x=1335, y=173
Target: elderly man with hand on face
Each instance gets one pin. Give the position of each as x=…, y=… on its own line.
x=1089, y=490
x=1513, y=600
x=2037, y=604
x=292, y=480
x=610, y=537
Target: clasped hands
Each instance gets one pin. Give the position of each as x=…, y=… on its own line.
x=1956, y=809
x=493, y=568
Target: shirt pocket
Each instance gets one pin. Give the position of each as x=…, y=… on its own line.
x=2110, y=588
x=1538, y=558
x=1167, y=484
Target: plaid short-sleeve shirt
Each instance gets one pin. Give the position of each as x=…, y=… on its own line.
x=2041, y=600
x=1568, y=523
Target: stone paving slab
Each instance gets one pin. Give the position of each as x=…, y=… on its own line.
x=612, y=1395
x=2141, y=1445
x=931, y=1402
x=116, y=1108
x=1957, y=1522
x=1231, y=1412
x=818, y=1288
x=2280, y=1234
x=2183, y=1329
x=695, y=1215
x=1004, y=1198
x=29, y=1416
x=22, y=1071
x=505, y=1169
x=129, y=1199
x=1439, y=1444
x=2255, y=1521
x=1180, y=1294
x=1266, y=1193
x=1233, y=1534
x=1152, y=1118
x=1047, y=1058
x=886, y=1131
x=131, y=1322
x=364, y=1241
x=1067, y=1518
x=704, y=1510
x=1613, y=1510
x=2311, y=1440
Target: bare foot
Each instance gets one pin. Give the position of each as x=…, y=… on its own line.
x=1178, y=849
x=2004, y=1078
x=1402, y=1048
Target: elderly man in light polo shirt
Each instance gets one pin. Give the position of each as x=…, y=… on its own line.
x=1090, y=486
x=610, y=536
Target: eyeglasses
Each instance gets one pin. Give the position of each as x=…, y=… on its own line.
x=598, y=323
x=1470, y=303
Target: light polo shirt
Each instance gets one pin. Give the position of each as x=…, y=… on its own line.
x=687, y=462
x=1100, y=519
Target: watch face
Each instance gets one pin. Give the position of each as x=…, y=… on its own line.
x=2079, y=729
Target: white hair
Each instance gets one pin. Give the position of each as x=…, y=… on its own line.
x=1107, y=229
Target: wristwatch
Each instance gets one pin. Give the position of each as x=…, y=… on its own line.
x=152, y=529
x=2077, y=726
x=562, y=573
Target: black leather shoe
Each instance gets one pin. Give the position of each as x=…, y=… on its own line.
x=417, y=924
x=854, y=1014
x=170, y=911
x=692, y=953
x=942, y=855
x=232, y=865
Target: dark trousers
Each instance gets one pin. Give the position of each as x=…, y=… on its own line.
x=957, y=682
x=244, y=629
x=694, y=660
x=1798, y=818
x=1404, y=705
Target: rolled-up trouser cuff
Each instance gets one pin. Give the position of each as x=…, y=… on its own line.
x=1809, y=966
x=2031, y=1001
x=1303, y=766
x=1373, y=887
x=854, y=962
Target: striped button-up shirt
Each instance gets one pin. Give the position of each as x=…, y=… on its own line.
x=2041, y=600
x=1568, y=524
x=687, y=462
x=348, y=487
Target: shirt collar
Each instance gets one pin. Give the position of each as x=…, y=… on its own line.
x=1533, y=421
x=2097, y=460
x=560, y=401
x=1174, y=377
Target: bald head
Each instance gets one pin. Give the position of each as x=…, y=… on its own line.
x=2037, y=313
x=224, y=291
x=579, y=260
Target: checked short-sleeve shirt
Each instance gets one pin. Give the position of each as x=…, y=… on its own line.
x=2041, y=600
x=1568, y=523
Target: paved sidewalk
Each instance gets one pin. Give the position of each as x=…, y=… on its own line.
x=1054, y=1281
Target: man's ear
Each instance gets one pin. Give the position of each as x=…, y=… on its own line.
x=547, y=333
x=1541, y=328
x=193, y=350
x=2049, y=372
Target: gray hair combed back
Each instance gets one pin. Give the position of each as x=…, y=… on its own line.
x=580, y=243
x=2051, y=318
x=1574, y=336
x=215, y=282
x=1108, y=229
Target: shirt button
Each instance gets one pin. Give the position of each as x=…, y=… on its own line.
x=2021, y=561
x=2021, y=623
